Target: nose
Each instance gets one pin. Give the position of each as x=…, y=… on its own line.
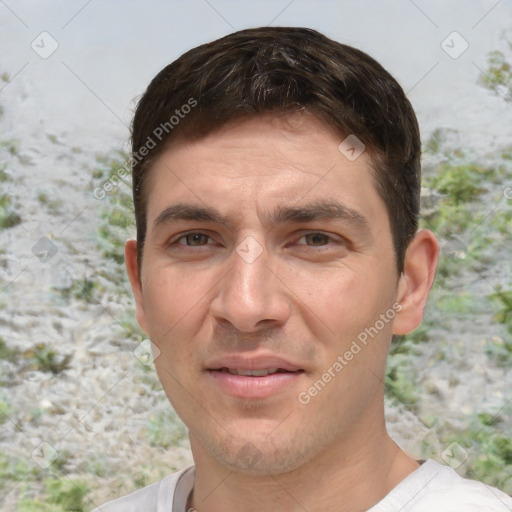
x=251, y=296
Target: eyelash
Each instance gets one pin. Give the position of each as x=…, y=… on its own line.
x=330, y=239
x=190, y=234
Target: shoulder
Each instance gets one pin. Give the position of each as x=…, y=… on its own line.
x=437, y=487
x=452, y=492
x=153, y=498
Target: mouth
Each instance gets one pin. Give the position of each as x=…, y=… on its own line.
x=254, y=373
x=254, y=378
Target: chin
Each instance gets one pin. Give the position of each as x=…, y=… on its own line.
x=260, y=455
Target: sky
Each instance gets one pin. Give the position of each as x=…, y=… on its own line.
x=76, y=68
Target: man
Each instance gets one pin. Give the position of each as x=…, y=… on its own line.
x=276, y=179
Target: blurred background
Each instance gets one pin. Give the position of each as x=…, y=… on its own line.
x=83, y=417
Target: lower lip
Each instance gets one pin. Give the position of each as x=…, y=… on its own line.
x=242, y=386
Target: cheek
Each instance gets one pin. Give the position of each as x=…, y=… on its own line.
x=346, y=301
x=338, y=294
x=172, y=300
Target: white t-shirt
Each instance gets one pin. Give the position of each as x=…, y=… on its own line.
x=431, y=488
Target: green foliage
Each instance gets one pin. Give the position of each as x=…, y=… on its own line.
x=498, y=74
x=66, y=493
x=490, y=450
x=438, y=144
x=469, y=236
x=7, y=353
x=459, y=183
x=148, y=376
x=44, y=358
x=113, y=166
x=113, y=230
x=504, y=301
x=449, y=219
x=500, y=351
x=460, y=188
x=12, y=469
x=456, y=303
x=5, y=410
x=140, y=480
x=165, y=429
x=502, y=222
x=487, y=419
x=11, y=146
x=8, y=215
x=53, y=205
x=406, y=344
x=27, y=505
x=400, y=381
x=130, y=326
x=4, y=177
x=97, y=464
x=457, y=218
x=82, y=289
x=117, y=214
x=433, y=144
x=61, y=495
x=507, y=154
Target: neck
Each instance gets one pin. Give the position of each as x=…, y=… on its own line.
x=341, y=478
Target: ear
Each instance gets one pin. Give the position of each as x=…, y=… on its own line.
x=133, y=270
x=416, y=280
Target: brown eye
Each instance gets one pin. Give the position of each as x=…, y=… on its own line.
x=195, y=239
x=316, y=239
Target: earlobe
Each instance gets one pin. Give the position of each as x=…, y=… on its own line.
x=416, y=280
x=133, y=271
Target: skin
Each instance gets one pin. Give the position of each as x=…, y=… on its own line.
x=305, y=298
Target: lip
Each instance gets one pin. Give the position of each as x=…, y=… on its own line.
x=261, y=362
x=241, y=386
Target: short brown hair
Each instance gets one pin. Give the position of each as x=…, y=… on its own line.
x=280, y=69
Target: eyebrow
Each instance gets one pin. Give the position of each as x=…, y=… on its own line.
x=317, y=210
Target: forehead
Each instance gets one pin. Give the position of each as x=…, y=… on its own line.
x=251, y=164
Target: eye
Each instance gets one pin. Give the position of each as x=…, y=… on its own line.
x=193, y=240
x=315, y=239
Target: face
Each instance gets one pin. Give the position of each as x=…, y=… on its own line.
x=268, y=260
